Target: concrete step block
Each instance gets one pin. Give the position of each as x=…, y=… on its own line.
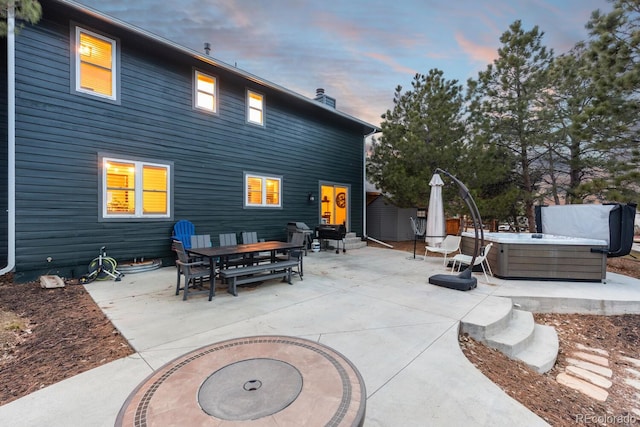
x=516, y=336
x=598, y=360
x=631, y=360
x=542, y=351
x=488, y=318
x=633, y=383
x=355, y=245
x=352, y=241
x=600, y=370
x=593, y=378
x=633, y=372
x=583, y=387
x=513, y=332
x=599, y=351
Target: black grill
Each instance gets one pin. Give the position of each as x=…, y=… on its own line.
x=332, y=232
x=300, y=227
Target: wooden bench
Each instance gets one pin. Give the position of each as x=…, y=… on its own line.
x=257, y=273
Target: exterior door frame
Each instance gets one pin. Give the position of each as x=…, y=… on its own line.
x=334, y=205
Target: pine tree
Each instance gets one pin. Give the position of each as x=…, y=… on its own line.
x=424, y=131
x=506, y=106
x=614, y=50
x=24, y=10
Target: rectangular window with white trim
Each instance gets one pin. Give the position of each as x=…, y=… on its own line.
x=206, y=88
x=255, y=108
x=95, y=64
x=135, y=189
x=262, y=191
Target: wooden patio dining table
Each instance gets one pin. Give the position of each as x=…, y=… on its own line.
x=224, y=252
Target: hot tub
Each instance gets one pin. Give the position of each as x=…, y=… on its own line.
x=543, y=256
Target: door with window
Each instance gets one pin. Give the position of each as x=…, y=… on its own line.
x=334, y=204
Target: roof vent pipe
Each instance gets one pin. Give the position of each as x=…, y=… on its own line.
x=324, y=99
x=207, y=48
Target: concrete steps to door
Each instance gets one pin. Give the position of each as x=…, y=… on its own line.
x=513, y=332
x=351, y=241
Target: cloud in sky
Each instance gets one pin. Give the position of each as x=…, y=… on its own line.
x=359, y=51
x=484, y=54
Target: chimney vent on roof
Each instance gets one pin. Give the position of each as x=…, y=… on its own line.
x=327, y=100
x=207, y=48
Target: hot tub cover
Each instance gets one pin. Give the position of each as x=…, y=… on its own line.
x=611, y=222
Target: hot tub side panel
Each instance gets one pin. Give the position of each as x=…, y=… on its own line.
x=544, y=261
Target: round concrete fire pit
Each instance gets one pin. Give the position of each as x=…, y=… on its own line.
x=264, y=380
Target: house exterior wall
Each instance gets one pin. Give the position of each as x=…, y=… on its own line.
x=60, y=135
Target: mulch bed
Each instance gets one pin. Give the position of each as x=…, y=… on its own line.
x=58, y=333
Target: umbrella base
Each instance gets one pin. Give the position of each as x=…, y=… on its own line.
x=462, y=282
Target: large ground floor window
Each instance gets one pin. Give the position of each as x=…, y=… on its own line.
x=262, y=191
x=135, y=189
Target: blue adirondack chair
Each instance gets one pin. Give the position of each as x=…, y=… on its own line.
x=182, y=231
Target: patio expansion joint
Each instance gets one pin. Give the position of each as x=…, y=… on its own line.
x=382, y=328
x=413, y=359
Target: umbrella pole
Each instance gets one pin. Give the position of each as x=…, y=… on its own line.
x=463, y=281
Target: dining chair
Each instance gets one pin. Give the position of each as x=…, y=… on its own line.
x=230, y=239
x=194, y=271
x=200, y=241
x=252, y=237
x=297, y=254
x=249, y=237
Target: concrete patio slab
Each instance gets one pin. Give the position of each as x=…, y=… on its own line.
x=374, y=306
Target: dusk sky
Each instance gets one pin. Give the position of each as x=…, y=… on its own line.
x=359, y=51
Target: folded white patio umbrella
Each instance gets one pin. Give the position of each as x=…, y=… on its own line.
x=436, y=231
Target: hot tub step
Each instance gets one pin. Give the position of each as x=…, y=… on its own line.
x=489, y=317
x=516, y=336
x=495, y=323
x=542, y=352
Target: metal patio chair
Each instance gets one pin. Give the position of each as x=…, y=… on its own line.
x=449, y=245
x=480, y=259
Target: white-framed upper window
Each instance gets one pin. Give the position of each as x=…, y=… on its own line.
x=255, y=107
x=95, y=64
x=262, y=191
x=135, y=189
x=206, y=92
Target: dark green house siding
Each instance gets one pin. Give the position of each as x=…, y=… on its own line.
x=59, y=136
